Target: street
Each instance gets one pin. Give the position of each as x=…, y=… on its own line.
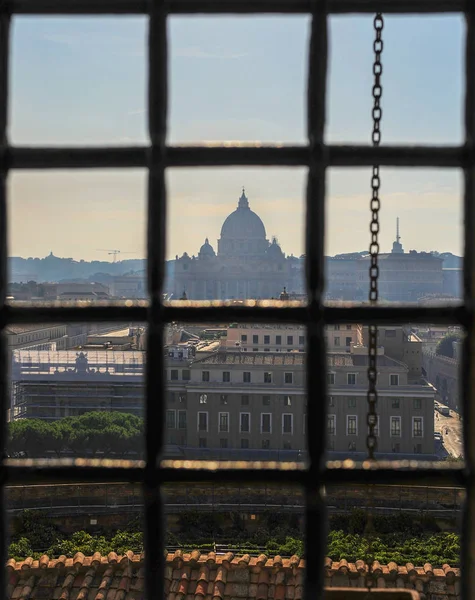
x=452, y=443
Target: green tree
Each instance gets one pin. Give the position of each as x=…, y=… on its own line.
x=445, y=345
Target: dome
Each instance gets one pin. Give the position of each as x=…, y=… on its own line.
x=243, y=223
x=206, y=250
x=274, y=251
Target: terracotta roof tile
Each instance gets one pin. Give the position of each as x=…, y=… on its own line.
x=196, y=576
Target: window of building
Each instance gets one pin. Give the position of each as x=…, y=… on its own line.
x=290, y=340
x=202, y=442
x=395, y=426
x=255, y=339
x=287, y=423
x=331, y=445
x=395, y=403
x=337, y=328
x=244, y=443
x=374, y=420
x=174, y=374
x=390, y=333
x=288, y=377
x=203, y=398
x=331, y=378
x=245, y=400
x=265, y=445
x=266, y=400
x=223, y=442
x=223, y=399
x=202, y=421
x=182, y=419
x=301, y=340
x=246, y=377
x=351, y=378
x=351, y=425
x=204, y=375
x=223, y=419
x=245, y=422
x=348, y=341
x=394, y=379
x=351, y=402
x=417, y=403
x=182, y=398
x=348, y=326
x=267, y=339
x=417, y=426
x=331, y=401
x=331, y=424
x=287, y=401
x=171, y=397
x=266, y=423
x=278, y=340
x=244, y=338
x=267, y=377
x=171, y=419
x=226, y=376
x=255, y=349
x=186, y=375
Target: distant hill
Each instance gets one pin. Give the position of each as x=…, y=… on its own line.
x=54, y=269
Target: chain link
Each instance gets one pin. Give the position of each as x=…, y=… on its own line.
x=375, y=205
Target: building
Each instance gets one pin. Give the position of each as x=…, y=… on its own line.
x=246, y=264
x=287, y=338
x=403, y=276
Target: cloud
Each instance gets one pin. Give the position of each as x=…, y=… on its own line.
x=197, y=52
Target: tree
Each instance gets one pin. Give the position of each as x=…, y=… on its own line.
x=445, y=346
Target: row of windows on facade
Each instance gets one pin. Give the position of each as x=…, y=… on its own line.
x=278, y=339
x=287, y=400
x=395, y=426
x=351, y=378
x=244, y=443
x=176, y=419
x=396, y=447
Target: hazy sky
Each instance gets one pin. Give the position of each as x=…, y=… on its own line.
x=82, y=81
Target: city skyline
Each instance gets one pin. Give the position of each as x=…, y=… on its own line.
x=230, y=79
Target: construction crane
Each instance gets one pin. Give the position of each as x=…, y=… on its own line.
x=113, y=253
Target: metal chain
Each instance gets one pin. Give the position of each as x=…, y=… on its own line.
x=372, y=394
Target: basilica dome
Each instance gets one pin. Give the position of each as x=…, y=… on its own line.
x=207, y=250
x=243, y=223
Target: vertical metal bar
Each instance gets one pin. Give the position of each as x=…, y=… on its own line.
x=156, y=223
x=4, y=371
x=315, y=514
x=468, y=370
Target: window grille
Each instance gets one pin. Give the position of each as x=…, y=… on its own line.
x=315, y=155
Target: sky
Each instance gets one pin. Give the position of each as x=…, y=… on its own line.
x=82, y=81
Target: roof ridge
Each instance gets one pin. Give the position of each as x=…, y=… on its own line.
x=196, y=556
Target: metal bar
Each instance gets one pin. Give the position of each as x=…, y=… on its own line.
x=221, y=312
x=47, y=471
x=156, y=232
x=4, y=387
x=315, y=508
x=21, y=157
x=136, y=7
x=468, y=369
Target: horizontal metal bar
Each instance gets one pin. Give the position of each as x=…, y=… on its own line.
x=112, y=157
x=134, y=7
x=219, y=312
x=385, y=473
x=231, y=155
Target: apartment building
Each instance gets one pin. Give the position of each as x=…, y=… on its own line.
x=288, y=338
x=256, y=401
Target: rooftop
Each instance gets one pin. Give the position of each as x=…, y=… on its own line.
x=191, y=576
